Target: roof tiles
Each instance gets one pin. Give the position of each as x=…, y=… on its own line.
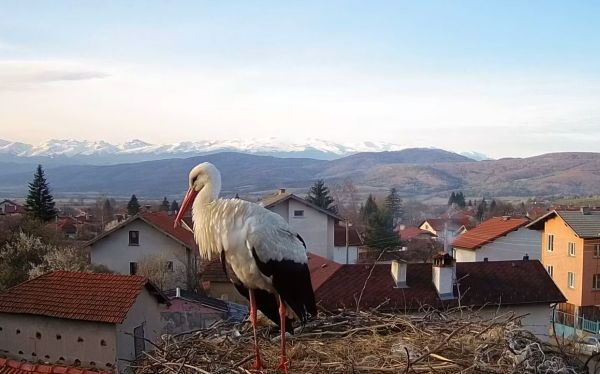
x=98, y=297
x=488, y=231
x=15, y=367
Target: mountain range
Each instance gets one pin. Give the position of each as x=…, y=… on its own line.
x=416, y=173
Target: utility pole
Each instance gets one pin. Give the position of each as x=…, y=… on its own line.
x=347, y=242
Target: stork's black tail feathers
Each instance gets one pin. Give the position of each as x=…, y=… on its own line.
x=267, y=303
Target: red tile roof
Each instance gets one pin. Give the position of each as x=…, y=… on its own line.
x=15, y=367
x=339, y=237
x=488, y=231
x=321, y=269
x=492, y=283
x=409, y=233
x=99, y=297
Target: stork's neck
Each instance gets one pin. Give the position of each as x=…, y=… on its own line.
x=202, y=210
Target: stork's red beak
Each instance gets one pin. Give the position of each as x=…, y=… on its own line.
x=185, y=205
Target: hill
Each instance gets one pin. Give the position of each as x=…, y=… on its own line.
x=415, y=172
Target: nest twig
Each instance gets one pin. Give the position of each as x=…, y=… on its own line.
x=361, y=342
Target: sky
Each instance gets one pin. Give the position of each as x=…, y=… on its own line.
x=504, y=78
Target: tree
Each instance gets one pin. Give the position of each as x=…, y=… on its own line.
x=369, y=208
x=161, y=271
x=174, y=206
x=393, y=203
x=164, y=206
x=65, y=259
x=18, y=257
x=320, y=196
x=380, y=230
x=452, y=199
x=460, y=199
x=107, y=212
x=40, y=203
x=481, y=208
x=470, y=202
x=133, y=206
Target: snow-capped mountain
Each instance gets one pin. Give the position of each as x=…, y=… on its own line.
x=310, y=147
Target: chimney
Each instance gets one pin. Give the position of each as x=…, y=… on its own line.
x=444, y=275
x=505, y=218
x=399, y=273
x=585, y=210
x=526, y=257
x=177, y=292
x=281, y=191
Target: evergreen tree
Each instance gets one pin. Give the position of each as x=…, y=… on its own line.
x=165, y=205
x=393, y=203
x=40, y=203
x=380, y=230
x=174, y=206
x=452, y=199
x=470, y=203
x=369, y=208
x=460, y=199
x=481, y=208
x=493, y=205
x=133, y=206
x=319, y=195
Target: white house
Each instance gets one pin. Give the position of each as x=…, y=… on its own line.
x=346, y=244
x=314, y=224
x=498, y=239
x=148, y=235
x=91, y=320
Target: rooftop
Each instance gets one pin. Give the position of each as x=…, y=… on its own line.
x=409, y=233
x=98, y=297
x=194, y=297
x=585, y=223
x=453, y=223
x=481, y=283
x=488, y=231
x=16, y=367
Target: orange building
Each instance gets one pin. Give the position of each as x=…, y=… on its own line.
x=571, y=255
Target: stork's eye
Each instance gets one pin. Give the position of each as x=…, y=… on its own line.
x=194, y=179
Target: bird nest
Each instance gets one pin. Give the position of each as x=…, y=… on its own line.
x=452, y=341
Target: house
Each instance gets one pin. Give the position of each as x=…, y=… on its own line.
x=67, y=226
x=217, y=285
x=409, y=233
x=570, y=251
x=314, y=224
x=446, y=229
x=191, y=310
x=495, y=287
x=497, y=239
x=9, y=207
x=346, y=242
x=94, y=320
x=148, y=236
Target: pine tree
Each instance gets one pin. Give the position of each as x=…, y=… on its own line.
x=319, y=195
x=40, y=203
x=107, y=211
x=460, y=199
x=165, y=205
x=470, y=203
x=493, y=205
x=369, y=208
x=452, y=199
x=133, y=206
x=393, y=203
x=174, y=206
x=380, y=230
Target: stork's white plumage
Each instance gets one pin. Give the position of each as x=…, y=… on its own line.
x=267, y=258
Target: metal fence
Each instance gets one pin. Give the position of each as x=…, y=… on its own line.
x=579, y=323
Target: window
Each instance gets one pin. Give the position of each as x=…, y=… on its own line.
x=597, y=250
x=596, y=282
x=169, y=265
x=133, y=268
x=139, y=344
x=571, y=280
x=550, y=244
x=571, y=249
x=550, y=270
x=298, y=213
x=134, y=238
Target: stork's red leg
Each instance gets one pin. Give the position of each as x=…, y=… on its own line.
x=283, y=363
x=258, y=364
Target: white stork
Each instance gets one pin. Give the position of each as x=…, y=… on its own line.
x=267, y=258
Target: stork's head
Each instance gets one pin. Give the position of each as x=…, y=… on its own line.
x=204, y=178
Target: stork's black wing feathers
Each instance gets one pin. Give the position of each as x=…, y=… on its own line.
x=265, y=301
x=292, y=281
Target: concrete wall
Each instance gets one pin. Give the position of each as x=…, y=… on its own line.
x=226, y=291
x=115, y=252
x=282, y=209
x=58, y=340
x=538, y=320
x=313, y=227
x=512, y=246
x=339, y=255
x=145, y=311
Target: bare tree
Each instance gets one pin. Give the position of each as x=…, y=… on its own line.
x=161, y=271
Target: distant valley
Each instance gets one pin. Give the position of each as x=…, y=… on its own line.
x=418, y=172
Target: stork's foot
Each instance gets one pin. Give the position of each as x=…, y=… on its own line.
x=257, y=365
x=284, y=364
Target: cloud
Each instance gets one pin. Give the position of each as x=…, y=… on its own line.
x=16, y=74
